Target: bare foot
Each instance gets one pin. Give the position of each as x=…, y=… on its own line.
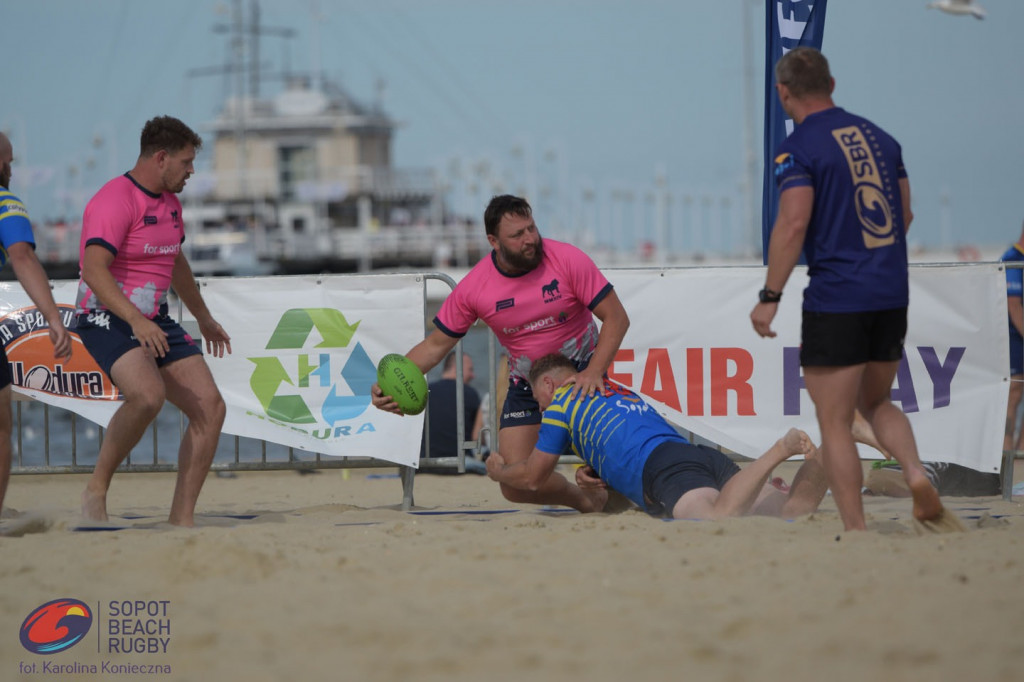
x=183, y=522
x=595, y=499
x=796, y=442
x=927, y=505
x=94, y=506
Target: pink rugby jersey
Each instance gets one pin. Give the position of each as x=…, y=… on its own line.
x=144, y=231
x=545, y=310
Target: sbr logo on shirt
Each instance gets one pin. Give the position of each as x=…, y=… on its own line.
x=149, y=220
x=504, y=304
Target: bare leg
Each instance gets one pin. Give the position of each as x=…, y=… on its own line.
x=5, y=441
x=893, y=430
x=517, y=442
x=834, y=391
x=191, y=388
x=862, y=433
x=136, y=376
x=808, y=488
x=741, y=491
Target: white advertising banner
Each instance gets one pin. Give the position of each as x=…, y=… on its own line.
x=304, y=355
x=692, y=351
x=305, y=351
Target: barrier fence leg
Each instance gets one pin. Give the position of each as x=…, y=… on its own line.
x=1008, y=458
x=408, y=475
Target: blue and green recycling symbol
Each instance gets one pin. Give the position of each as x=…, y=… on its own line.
x=291, y=387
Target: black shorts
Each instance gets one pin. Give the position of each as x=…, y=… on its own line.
x=675, y=468
x=844, y=339
x=5, y=369
x=521, y=408
x=107, y=337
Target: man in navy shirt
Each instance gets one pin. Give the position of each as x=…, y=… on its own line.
x=845, y=201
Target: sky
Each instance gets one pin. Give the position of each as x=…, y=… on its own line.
x=592, y=108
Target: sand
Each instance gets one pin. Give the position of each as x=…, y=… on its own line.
x=323, y=577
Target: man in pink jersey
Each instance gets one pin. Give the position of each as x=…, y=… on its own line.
x=130, y=255
x=538, y=297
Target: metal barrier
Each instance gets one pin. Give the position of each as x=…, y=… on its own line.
x=27, y=411
x=291, y=460
x=1009, y=456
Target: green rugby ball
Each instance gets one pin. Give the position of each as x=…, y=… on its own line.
x=400, y=378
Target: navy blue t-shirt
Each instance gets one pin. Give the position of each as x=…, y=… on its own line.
x=1014, y=279
x=855, y=246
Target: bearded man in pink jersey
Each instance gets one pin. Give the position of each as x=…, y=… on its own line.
x=538, y=297
x=131, y=254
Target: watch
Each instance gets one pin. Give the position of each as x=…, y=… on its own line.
x=766, y=295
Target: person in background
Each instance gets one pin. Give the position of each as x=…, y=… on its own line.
x=442, y=420
x=18, y=247
x=1015, y=313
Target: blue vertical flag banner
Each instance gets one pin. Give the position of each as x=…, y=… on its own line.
x=789, y=24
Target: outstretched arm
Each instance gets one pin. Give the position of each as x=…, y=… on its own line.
x=425, y=354
x=527, y=474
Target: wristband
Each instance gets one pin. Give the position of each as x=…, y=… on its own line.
x=766, y=295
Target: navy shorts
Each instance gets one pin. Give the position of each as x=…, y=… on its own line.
x=5, y=369
x=1016, y=354
x=844, y=339
x=521, y=408
x=108, y=337
x=675, y=468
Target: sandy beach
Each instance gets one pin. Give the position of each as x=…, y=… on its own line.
x=324, y=577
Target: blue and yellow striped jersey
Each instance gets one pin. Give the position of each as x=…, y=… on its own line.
x=615, y=434
x=14, y=223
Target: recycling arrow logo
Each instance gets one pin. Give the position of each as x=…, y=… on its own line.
x=291, y=386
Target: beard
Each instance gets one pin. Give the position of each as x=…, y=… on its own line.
x=174, y=187
x=521, y=261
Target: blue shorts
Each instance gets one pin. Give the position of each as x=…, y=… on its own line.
x=521, y=408
x=675, y=468
x=108, y=337
x=1016, y=354
x=845, y=339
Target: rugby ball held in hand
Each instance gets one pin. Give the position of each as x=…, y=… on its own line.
x=400, y=378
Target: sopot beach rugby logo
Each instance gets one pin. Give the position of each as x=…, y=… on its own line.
x=314, y=390
x=55, y=626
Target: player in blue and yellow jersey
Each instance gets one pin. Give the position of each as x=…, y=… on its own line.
x=1015, y=312
x=17, y=245
x=845, y=202
x=636, y=452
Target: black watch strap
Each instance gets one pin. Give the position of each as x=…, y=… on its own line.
x=766, y=295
